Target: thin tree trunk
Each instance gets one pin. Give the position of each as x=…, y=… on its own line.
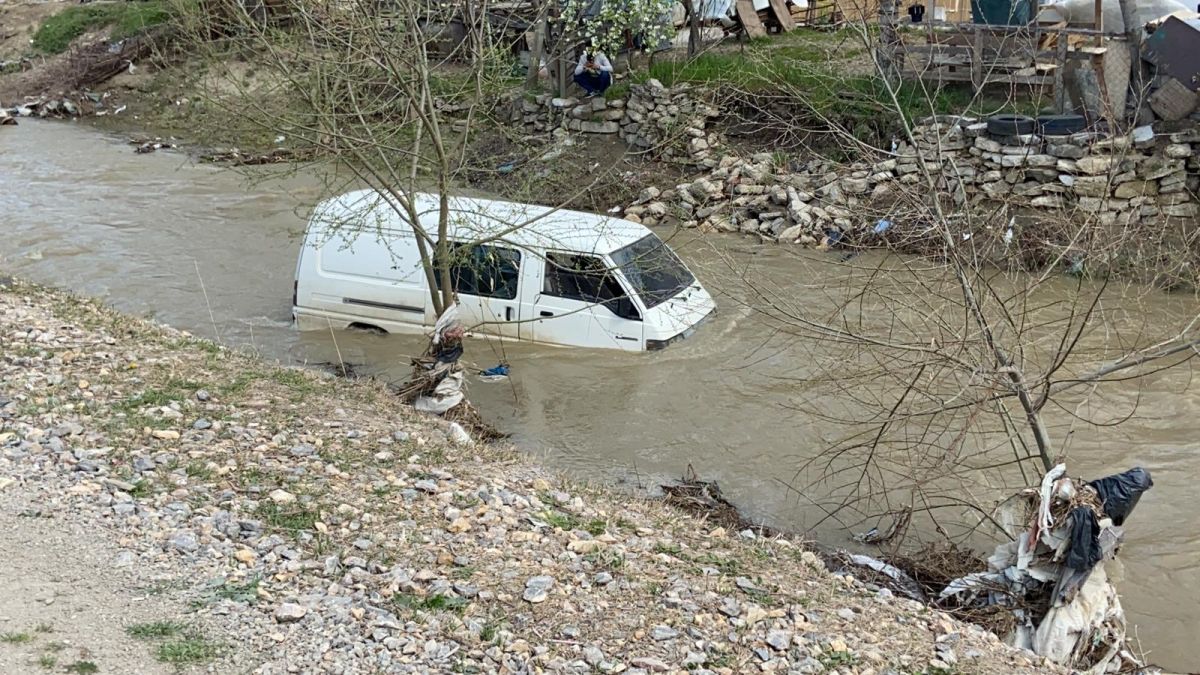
x=693, y=20
x=535, y=55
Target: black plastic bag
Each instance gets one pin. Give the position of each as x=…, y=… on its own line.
x=1120, y=492
x=1083, y=555
x=1084, y=552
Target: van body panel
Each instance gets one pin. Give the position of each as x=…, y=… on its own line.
x=360, y=264
x=680, y=313
x=568, y=321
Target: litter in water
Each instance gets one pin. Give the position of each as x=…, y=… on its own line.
x=495, y=373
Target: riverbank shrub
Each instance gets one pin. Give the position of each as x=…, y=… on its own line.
x=126, y=19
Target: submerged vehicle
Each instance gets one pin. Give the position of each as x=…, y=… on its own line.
x=520, y=272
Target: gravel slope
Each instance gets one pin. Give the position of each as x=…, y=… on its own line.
x=290, y=522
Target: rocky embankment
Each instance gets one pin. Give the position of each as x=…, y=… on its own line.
x=315, y=525
x=1109, y=181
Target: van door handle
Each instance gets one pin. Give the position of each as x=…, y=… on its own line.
x=508, y=313
x=545, y=313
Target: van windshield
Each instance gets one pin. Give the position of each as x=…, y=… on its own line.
x=653, y=269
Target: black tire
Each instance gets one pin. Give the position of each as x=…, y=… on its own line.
x=1061, y=125
x=1011, y=125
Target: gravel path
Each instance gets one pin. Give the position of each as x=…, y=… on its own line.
x=282, y=521
x=63, y=599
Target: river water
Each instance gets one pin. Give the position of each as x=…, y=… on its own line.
x=209, y=251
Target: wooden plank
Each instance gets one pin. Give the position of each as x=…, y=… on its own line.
x=782, y=15
x=977, y=59
x=1060, y=89
x=749, y=19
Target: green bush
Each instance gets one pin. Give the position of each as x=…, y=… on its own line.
x=126, y=19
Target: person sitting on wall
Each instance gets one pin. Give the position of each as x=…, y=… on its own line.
x=593, y=72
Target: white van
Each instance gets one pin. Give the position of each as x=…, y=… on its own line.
x=521, y=272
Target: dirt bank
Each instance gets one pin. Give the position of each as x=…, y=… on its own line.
x=311, y=523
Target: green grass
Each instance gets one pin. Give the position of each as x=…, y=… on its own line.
x=48, y=661
x=155, y=630
x=568, y=522
x=619, y=90
x=812, y=76
x=245, y=592
x=190, y=649
x=725, y=565
x=125, y=18
x=199, y=470
x=833, y=660
x=43, y=628
x=670, y=549
x=15, y=638
x=489, y=631
x=142, y=488
x=431, y=603
x=178, y=644
x=287, y=518
x=83, y=668
x=608, y=559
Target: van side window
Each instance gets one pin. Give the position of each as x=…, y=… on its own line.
x=587, y=278
x=484, y=271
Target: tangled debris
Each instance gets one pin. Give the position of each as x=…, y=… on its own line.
x=438, y=381
x=703, y=499
x=235, y=157
x=1046, y=590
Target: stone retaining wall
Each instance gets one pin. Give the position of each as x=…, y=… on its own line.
x=667, y=121
x=1114, y=180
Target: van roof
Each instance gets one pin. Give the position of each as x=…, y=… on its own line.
x=522, y=225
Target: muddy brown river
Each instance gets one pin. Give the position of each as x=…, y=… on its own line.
x=209, y=251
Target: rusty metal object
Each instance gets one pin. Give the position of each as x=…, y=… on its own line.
x=1175, y=49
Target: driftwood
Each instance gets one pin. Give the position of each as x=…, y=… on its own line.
x=236, y=158
x=704, y=499
x=95, y=64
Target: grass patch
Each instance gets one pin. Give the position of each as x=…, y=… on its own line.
x=56, y=646
x=48, y=661
x=833, y=660
x=125, y=18
x=619, y=90
x=174, y=389
x=670, y=549
x=568, y=522
x=431, y=603
x=43, y=628
x=178, y=644
x=608, y=559
x=244, y=592
x=199, y=470
x=289, y=519
x=488, y=633
x=810, y=74
x=154, y=630
x=15, y=638
x=83, y=668
x=725, y=565
x=190, y=649
x=142, y=488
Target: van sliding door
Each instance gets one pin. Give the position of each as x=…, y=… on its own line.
x=487, y=279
